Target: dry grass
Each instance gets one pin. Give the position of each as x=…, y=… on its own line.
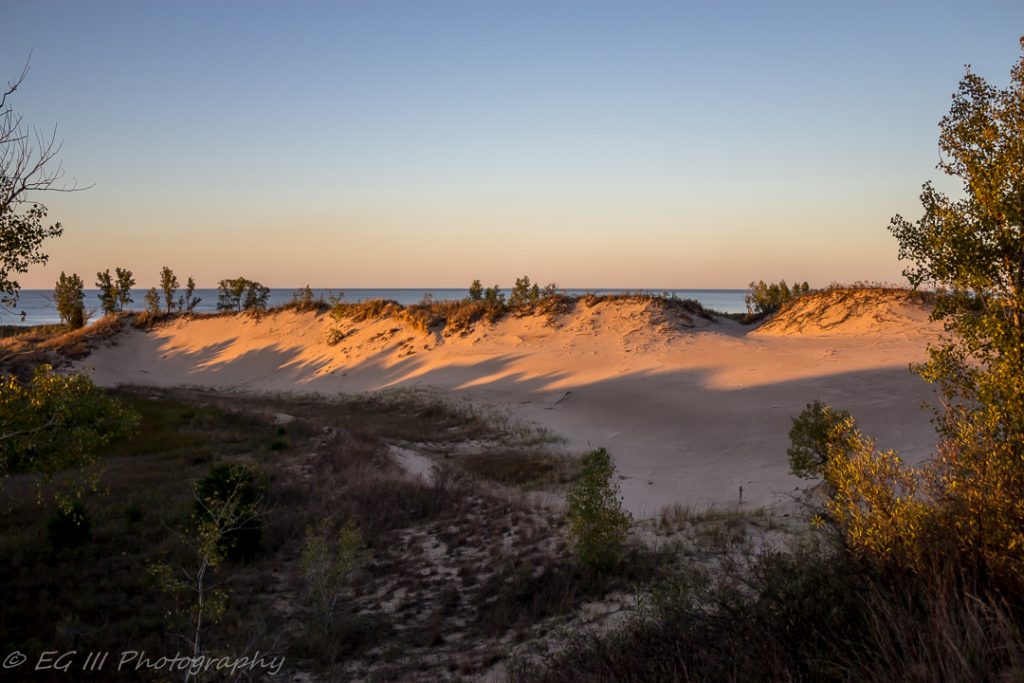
x=452, y=574
x=451, y=318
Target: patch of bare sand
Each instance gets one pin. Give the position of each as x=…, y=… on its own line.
x=692, y=410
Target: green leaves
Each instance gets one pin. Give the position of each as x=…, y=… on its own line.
x=56, y=422
x=21, y=237
x=240, y=293
x=68, y=298
x=597, y=522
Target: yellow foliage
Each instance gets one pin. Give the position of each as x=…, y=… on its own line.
x=875, y=502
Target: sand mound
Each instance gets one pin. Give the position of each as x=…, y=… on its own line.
x=869, y=311
x=691, y=408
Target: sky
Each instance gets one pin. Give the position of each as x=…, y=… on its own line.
x=427, y=143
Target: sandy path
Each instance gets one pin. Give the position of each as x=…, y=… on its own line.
x=690, y=413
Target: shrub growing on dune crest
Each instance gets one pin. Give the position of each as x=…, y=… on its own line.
x=768, y=297
x=68, y=298
x=187, y=302
x=242, y=294
x=169, y=287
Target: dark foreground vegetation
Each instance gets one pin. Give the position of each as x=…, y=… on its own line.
x=223, y=526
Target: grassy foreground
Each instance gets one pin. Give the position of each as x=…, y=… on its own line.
x=362, y=570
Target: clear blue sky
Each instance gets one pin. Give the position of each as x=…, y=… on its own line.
x=376, y=144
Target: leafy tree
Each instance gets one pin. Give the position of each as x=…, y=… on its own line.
x=124, y=285
x=494, y=296
x=169, y=286
x=476, y=291
x=152, y=300
x=27, y=165
x=68, y=296
x=523, y=293
x=108, y=292
x=230, y=292
x=240, y=293
x=597, y=522
x=818, y=433
x=768, y=297
x=973, y=247
x=256, y=297
x=55, y=422
x=226, y=510
x=187, y=302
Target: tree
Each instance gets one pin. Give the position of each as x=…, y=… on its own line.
x=152, y=300
x=523, y=294
x=68, y=297
x=476, y=291
x=27, y=165
x=494, y=296
x=256, y=297
x=169, y=286
x=768, y=297
x=125, y=281
x=108, y=292
x=187, y=302
x=56, y=422
x=240, y=293
x=227, y=507
x=973, y=247
x=818, y=432
x=230, y=292
x=597, y=522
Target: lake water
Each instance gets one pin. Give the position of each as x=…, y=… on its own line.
x=37, y=304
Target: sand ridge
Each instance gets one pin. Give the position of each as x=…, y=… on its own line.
x=691, y=408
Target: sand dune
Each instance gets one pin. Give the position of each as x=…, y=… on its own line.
x=692, y=409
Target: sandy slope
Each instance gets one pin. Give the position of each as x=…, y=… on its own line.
x=691, y=409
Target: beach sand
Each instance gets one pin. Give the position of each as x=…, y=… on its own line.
x=691, y=409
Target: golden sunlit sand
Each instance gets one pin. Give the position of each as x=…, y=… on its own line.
x=692, y=409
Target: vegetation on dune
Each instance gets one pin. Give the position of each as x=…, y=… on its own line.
x=490, y=305
x=210, y=537
x=242, y=294
x=597, y=523
x=918, y=571
x=768, y=297
x=911, y=573
x=69, y=300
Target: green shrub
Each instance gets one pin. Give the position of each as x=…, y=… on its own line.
x=56, y=422
x=68, y=297
x=304, y=300
x=597, y=523
x=242, y=294
x=817, y=431
x=768, y=297
x=152, y=300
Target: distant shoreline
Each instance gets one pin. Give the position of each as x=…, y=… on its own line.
x=39, y=309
